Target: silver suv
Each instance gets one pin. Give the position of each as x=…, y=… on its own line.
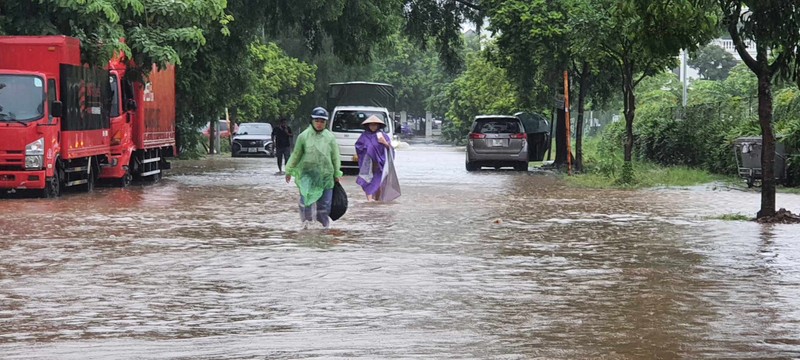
x=497, y=141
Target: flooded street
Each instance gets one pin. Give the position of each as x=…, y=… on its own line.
x=212, y=263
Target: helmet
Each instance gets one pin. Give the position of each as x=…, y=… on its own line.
x=319, y=113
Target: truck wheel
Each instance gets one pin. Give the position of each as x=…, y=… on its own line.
x=126, y=179
x=52, y=188
x=90, y=176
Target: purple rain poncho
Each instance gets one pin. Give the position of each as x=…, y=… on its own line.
x=371, y=160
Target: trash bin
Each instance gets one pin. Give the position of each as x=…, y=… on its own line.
x=748, y=159
x=538, y=130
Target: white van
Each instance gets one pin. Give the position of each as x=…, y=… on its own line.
x=352, y=103
x=346, y=127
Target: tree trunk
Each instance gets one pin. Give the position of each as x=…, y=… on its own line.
x=212, y=132
x=561, y=140
x=767, y=141
x=629, y=109
x=629, y=98
x=584, y=89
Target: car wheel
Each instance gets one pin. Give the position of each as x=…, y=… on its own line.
x=235, y=149
x=472, y=167
x=522, y=166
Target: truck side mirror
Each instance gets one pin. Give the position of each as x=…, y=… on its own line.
x=130, y=105
x=56, y=108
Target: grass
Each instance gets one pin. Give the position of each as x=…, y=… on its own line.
x=732, y=217
x=648, y=175
x=603, y=171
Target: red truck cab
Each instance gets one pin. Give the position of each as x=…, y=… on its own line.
x=53, y=115
x=142, y=122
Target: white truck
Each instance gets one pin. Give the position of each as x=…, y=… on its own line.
x=351, y=104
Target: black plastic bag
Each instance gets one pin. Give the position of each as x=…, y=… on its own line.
x=339, y=203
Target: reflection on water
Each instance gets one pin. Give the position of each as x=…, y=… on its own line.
x=212, y=263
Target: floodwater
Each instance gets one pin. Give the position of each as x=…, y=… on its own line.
x=212, y=263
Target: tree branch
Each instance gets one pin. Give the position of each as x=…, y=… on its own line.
x=733, y=29
x=469, y=5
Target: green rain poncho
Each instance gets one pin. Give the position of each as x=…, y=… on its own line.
x=314, y=163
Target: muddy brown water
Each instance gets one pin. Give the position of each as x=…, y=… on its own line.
x=212, y=263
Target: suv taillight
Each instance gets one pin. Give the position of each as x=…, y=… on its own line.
x=477, y=136
x=519, y=136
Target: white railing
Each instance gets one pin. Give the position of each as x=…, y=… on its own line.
x=728, y=45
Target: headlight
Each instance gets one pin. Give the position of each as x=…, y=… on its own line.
x=35, y=148
x=33, y=162
x=34, y=153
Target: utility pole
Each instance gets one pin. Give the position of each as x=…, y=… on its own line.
x=683, y=77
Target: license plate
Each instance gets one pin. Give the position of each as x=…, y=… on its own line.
x=498, y=142
x=252, y=150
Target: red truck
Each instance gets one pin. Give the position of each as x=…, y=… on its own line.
x=54, y=121
x=142, y=123
x=63, y=124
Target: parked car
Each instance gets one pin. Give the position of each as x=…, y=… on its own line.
x=224, y=132
x=253, y=139
x=497, y=141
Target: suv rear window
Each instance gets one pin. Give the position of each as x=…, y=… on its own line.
x=496, y=126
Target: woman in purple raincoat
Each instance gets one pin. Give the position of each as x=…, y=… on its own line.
x=372, y=148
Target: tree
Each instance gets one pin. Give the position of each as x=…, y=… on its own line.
x=416, y=74
x=772, y=25
x=481, y=89
x=279, y=81
x=643, y=38
x=154, y=31
x=712, y=62
x=536, y=42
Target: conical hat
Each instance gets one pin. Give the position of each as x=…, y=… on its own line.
x=373, y=120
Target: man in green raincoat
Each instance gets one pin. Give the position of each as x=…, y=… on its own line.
x=315, y=165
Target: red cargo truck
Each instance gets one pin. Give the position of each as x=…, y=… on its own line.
x=54, y=121
x=142, y=123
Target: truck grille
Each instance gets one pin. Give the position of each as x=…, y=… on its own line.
x=12, y=160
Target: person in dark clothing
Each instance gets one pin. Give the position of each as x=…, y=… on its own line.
x=282, y=138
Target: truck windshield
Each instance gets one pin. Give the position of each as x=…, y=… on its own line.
x=350, y=120
x=21, y=97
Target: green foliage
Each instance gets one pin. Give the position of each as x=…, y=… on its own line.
x=481, y=89
x=533, y=42
x=417, y=75
x=741, y=82
x=155, y=31
x=277, y=84
x=441, y=21
x=605, y=166
x=603, y=155
x=712, y=62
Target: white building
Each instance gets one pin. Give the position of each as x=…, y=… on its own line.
x=728, y=45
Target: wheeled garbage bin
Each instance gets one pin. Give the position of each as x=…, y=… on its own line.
x=748, y=159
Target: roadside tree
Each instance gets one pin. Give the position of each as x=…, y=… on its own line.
x=772, y=25
x=712, y=62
